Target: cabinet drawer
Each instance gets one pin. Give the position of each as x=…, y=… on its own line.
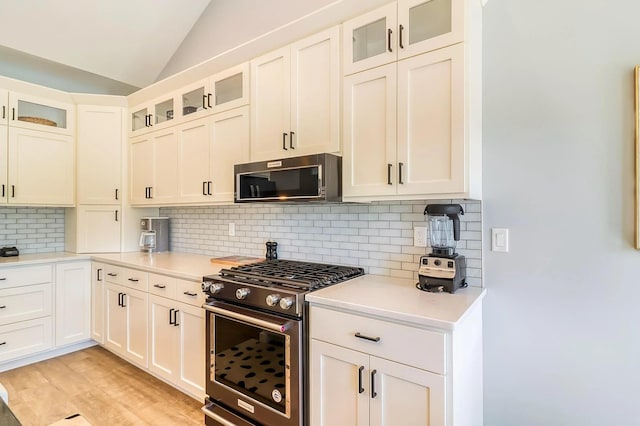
x=25, y=338
x=113, y=274
x=25, y=275
x=135, y=279
x=416, y=347
x=190, y=292
x=162, y=285
x=25, y=303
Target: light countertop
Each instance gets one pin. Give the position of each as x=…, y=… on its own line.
x=181, y=265
x=399, y=299
x=29, y=259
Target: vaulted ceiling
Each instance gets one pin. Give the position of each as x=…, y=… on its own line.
x=126, y=41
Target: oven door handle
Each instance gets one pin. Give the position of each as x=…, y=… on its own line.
x=279, y=327
x=217, y=418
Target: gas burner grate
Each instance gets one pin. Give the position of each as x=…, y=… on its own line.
x=291, y=273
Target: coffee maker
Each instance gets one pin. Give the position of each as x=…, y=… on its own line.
x=443, y=269
x=154, y=235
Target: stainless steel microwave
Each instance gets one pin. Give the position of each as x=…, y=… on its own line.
x=315, y=177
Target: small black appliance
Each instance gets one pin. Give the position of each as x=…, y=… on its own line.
x=443, y=269
x=9, y=251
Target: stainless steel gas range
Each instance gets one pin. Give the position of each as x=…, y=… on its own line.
x=257, y=344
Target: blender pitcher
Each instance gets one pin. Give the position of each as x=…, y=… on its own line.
x=444, y=227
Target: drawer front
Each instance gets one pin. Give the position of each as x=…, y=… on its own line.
x=162, y=285
x=416, y=347
x=113, y=274
x=25, y=303
x=138, y=280
x=25, y=338
x=190, y=292
x=25, y=275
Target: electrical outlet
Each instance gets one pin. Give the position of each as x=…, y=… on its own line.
x=232, y=229
x=420, y=236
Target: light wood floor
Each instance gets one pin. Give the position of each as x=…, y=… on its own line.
x=102, y=387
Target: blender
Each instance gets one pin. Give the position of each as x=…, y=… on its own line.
x=443, y=269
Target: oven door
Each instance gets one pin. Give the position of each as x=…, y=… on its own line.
x=254, y=363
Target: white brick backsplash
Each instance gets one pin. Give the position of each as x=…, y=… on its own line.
x=376, y=236
x=32, y=229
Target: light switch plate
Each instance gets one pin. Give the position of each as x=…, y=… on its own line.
x=500, y=239
x=420, y=236
x=232, y=229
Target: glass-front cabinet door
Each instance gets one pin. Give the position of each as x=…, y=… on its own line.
x=195, y=100
x=153, y=115
x=428, y=25
x=230, y=88
x=370, y=40
x=4, y=106
x=30, y=112
x=139, y=119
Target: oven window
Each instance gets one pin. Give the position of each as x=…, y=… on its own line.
x=300, y=182
x=251, y=360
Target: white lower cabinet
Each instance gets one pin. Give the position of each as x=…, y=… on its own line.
x=153, y=320
x=366, y=371
x=73, y=302
x=97, y=302
x=354, y=388
x=176, y=343
x=126, y=322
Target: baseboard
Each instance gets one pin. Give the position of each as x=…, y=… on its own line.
x=41, y=356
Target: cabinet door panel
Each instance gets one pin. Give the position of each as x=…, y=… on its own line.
x=230, y=138
x=140, y=169
x=431, y=122
x=270, y=104
x=116, y=317
x=315, y=91
x=165, y=170
x=25, y=302
x=136, y=303
x=4, y=106
x=192, y=348
x=406, y=395
x=41, y=114
x=73, y=302
x=193, y=156
x=370, y=39
x=4, y=184
x=98, y=229
x=97, y=302
x=25, y=337
x=230, y=88
x=100, y=135
x=163, y=341
x=335, y=395
x=370, y=132
x=41, y=168
x=429, y=25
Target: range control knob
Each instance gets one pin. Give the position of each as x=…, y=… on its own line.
x=242, y=293
x=273, y=299
x=206, y=286
x=286, y=302
x=215, y=288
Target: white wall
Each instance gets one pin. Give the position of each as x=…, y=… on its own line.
x=562, y=345
x=227, y=24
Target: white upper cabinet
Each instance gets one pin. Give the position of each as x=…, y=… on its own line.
x=41, y=168
x=35, y=113
x=4, y=106
x=295, y=99
x=4, y=183
x=153, y=162
x=223, y=91
x=226, y=90
x=100, y=133
x=155, y=115
x=400, y=30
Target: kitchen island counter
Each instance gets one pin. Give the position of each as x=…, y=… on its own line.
x=399, y=299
